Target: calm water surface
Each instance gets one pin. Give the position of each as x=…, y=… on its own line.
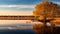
x=17, y=31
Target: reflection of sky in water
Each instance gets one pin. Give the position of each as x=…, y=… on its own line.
x=15, y=24
x=16, y=27
x=9, y=22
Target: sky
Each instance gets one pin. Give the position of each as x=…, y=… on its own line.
x=19, y=7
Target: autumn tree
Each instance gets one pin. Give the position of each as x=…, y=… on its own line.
x=45, y=10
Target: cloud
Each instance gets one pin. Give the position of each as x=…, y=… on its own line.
x=57, y=3
x=17, y=6
x=16, y=9
x=22, y=6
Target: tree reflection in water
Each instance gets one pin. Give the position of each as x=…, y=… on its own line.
x=39, y=29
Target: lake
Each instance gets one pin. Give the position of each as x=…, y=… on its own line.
x=17, y=31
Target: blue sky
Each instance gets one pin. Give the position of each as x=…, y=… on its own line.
x=17, y=7
x=23, y=1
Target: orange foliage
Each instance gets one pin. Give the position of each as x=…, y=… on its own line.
x=46, y=9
